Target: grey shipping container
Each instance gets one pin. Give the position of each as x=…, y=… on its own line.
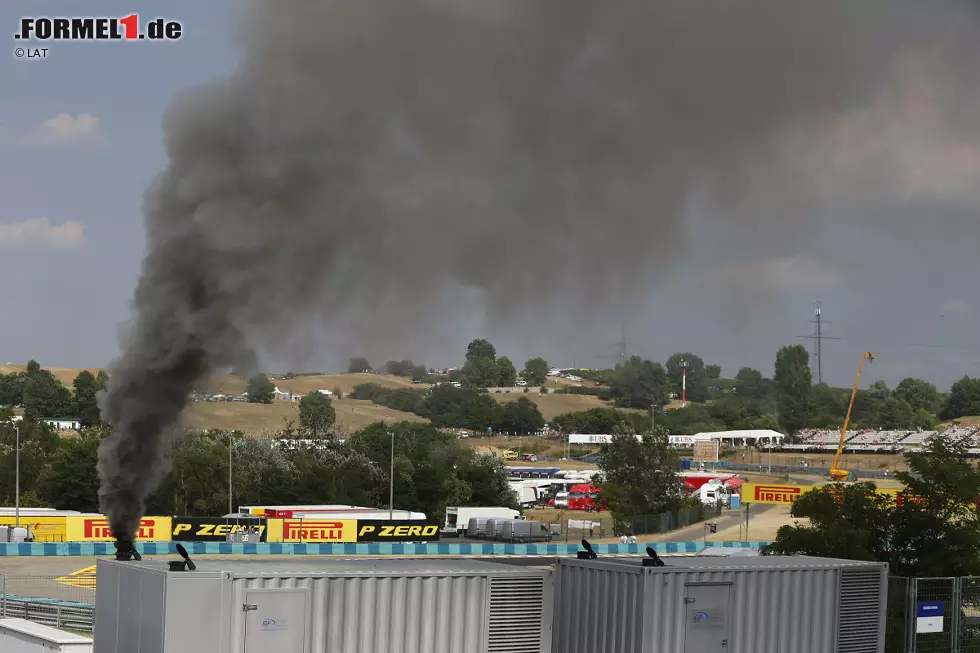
x=477, y=527
x=779, y=604
x=524, y=530
x=495, y=528
x=313, y=606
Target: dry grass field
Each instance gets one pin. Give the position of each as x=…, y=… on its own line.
x=64, y=374
x=266, y=419
x=554, y=404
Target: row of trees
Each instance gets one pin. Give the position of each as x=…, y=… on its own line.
x=935, y=531
x=432, y=470
x=466, y=408
x=42, y=395
x=789, y=401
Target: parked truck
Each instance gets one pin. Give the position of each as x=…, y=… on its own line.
x=586, y=497
x=523, y=530
x=458, y=518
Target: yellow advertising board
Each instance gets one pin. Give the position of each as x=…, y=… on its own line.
x=43, y=529
x=96, y=529
x=774, y=494
x=771, y=493
x=316, y=530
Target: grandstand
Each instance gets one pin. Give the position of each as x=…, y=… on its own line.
x=879, y=441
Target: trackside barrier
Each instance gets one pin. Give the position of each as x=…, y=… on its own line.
x=351, y=548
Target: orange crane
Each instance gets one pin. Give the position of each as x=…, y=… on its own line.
x=836, y=473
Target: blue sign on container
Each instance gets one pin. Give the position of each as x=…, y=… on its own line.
x=929, y=609
x=736, y=501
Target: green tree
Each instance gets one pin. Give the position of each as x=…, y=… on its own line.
x=45, y=396
x=480, y=372
x=418, y=373
x=896, y=414
x=639, y=383
x=70, y=480
x=12, y=388
x=316, y=414
x=506, y=372
x=697, y=379
x=919, y=394
x=963, y=400
x=480, y=348
x=793, y=380
x=878, y=390
x=86, y=406
x=712, y=371
x=752, y=386
x=460, y=408
x=639, y=476
x=358, y=365
x=521, y=417
x=601, y=420
x=935, y=531
x=400, y=367
x=260, y=389
x=535, y=371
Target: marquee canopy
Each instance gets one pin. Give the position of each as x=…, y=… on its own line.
x=747, y=436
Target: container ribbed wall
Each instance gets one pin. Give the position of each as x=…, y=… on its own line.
x=598, y=611
x=772, y=611
x=624, y=608
x=379, y=615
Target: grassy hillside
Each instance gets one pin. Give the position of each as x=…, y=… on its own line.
x=265, y=419
x=552, y=404
x=64, y=374
x=229, y=384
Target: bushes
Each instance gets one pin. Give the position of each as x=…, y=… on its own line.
x=403, y=399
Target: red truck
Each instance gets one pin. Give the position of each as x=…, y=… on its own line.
x=586, y=497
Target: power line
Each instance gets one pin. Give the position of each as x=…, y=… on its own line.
x=818, y=337
x=622, y=348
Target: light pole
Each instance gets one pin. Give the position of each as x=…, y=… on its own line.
x=17, y=479
x=230, y=440
x=391, y=479
x=770, y=456
x=683, y=383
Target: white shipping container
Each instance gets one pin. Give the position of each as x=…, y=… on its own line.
x=314, y=606
x=777, y=604
x=458, y=517
x=23, y=636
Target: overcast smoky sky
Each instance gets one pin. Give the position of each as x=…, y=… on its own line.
x=394, y=178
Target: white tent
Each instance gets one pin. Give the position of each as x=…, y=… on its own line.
x=744, y=438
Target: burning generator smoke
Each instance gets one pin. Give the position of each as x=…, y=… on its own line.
x=369, y=154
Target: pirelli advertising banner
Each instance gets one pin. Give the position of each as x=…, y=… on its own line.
x=96, y=529
x=772, y=494
x=398, y=530
x=207, y=529
x=319, y=530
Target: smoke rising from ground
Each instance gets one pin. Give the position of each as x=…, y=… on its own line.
x=371, y=157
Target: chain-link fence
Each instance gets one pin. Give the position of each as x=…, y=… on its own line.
x=671, y=521
x=66, y=602
x=933, y=615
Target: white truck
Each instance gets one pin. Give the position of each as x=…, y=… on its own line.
x=458, y=518
x=715, y=492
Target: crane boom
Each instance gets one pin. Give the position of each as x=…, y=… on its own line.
x=836, y=473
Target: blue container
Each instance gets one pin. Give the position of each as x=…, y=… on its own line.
x=685, y=464
x=736, y=501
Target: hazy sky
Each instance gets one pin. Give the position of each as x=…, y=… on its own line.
x=890, y=243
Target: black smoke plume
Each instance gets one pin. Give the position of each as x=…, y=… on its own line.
x=369, y=156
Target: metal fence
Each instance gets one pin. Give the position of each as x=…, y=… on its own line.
x=671, y=521
x=66, y=602
x=956, y=631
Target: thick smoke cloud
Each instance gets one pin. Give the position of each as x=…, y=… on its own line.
x=370, y=157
